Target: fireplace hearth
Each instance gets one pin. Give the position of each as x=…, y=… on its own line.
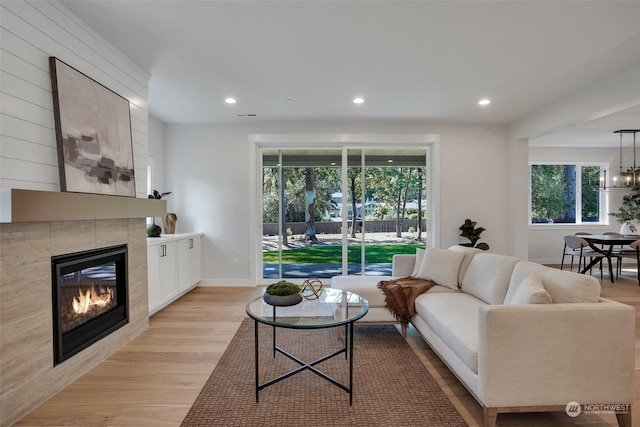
x=89, y=298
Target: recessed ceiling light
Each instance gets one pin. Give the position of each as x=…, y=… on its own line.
x=390, y=161
x=358, y=100
x=484, y=102
x=230, y=100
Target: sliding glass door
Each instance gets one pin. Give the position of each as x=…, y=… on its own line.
x=386, y=189
x=301, y=235
x=320, y=220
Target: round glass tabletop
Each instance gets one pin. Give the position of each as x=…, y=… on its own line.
x=334, y=307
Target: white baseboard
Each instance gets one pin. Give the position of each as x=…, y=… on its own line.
x=547, y=261
x=225, y=282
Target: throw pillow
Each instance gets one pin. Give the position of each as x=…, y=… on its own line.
x=488, y=277
x=531, y=291
x=419, y=258
x=441, y=266
x=469, y=253
x=563, y=286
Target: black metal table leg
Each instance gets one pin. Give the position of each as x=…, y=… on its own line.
x=608, y=253
x=346, y=327
x=274, y=332
x=256, y=355
x=351, y=364
x=257, y=310
x=348, y=347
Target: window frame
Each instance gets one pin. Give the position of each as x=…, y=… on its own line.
x=603, y=195
x=259, y=141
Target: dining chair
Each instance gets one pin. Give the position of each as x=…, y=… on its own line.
x=574, y=246
x=634, y=253
x=615, y=251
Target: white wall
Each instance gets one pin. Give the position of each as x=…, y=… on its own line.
x=208, y=171
x=518, y=187
x=29, y=34
x=156, y=156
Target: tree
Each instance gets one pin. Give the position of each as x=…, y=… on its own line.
x=590, y=193
x=274, y=197
x=548, y=192
x=353, y=175
x=419, y=228
x=292, y=195
x=310, y=209
x=393, y=186
x=402, y=203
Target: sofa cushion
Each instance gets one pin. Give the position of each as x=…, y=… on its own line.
x=438, y=289
x=488, y=277
x=530, y=291
x=469, y=253
x=563, y=286
x=365, y=286
x=419, y=258
x=454, y=317
x=441, y=266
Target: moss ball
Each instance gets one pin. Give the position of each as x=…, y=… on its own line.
x=283, y=288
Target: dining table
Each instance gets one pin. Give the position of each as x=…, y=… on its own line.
x=605, y=245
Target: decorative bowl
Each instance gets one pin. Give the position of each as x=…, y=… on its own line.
x=282, y=300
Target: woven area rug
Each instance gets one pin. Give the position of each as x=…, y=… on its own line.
x=391, y=386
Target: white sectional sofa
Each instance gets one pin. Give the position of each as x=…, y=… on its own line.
x=521, y=337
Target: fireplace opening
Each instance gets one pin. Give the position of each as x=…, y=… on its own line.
x=89, y=298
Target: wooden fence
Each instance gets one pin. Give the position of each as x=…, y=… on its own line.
x=271, y=229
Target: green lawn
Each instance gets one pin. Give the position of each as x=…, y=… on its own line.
x=332, y=254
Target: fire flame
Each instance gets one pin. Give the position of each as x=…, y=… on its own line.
x=89, y=299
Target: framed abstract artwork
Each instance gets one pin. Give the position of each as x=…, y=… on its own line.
x=93, y=134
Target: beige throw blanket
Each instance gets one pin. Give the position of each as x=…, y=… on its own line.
x=400, y=295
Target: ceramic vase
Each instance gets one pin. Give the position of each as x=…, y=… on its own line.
x=169, y=222
x=629, y=228
x=153, y=230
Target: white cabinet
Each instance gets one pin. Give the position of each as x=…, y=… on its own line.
x=169, y=270
x=189, y=264
x=163, y=274
x=153, y=268
x=174, y=267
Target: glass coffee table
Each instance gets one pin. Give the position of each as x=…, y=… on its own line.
x=333, y=308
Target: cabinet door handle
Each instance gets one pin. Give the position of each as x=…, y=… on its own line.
x=164, y=251
x=190, y=243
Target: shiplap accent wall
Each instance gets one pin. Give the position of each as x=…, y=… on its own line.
x=31, y=31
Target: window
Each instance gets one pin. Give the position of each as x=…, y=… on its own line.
x=307, y=230
x=566, y=193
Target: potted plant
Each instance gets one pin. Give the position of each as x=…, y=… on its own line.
x=469, y=231
x=282, y=293
x=628, y=215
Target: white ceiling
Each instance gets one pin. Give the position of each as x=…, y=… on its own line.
x=409, y=60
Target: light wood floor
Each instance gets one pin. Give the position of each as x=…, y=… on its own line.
x=154, y=380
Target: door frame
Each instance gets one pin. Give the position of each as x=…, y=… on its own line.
x=344, y=141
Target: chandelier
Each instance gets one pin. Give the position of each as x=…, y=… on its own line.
x=623, y=178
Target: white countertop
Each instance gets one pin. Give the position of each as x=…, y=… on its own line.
x=164, y=238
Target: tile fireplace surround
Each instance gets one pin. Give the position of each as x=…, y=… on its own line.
x=33, y=228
